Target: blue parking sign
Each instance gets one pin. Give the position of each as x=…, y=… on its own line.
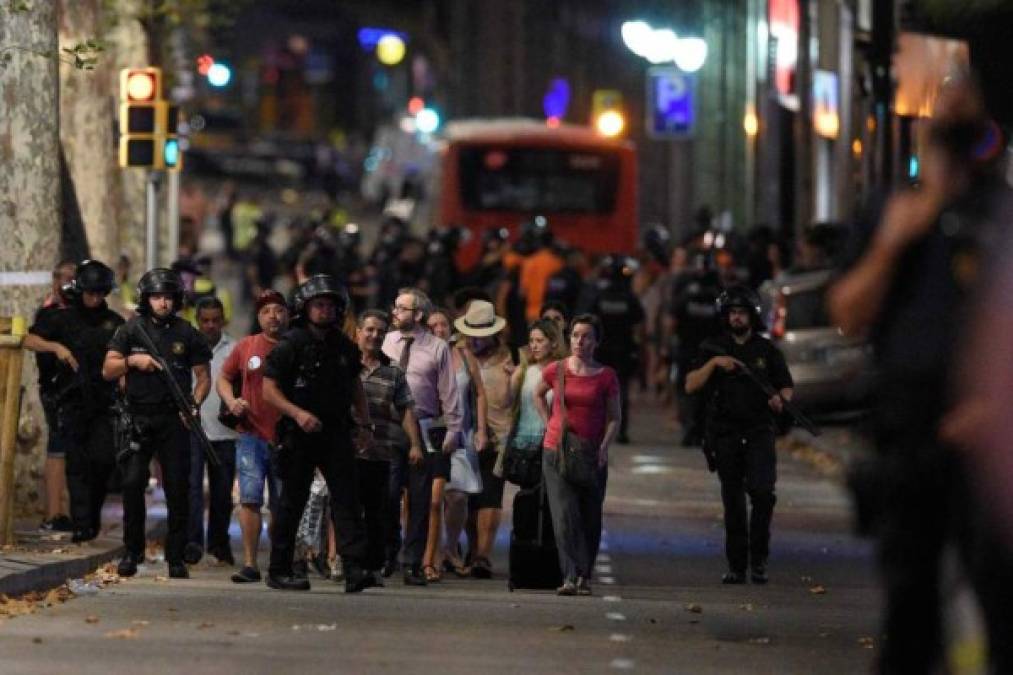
x=671, y=98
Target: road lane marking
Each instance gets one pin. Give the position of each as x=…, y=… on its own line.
x=622, y=664
x=607, y=580
x=650, y=470
x=604, y=558
x=615, y=616
x=620, y=637
x=611, y=598
x=603, y=569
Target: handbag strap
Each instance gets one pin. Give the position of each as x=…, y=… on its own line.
x=561, y=380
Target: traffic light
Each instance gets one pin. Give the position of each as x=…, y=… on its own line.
x=148, y=124
x=607, y=112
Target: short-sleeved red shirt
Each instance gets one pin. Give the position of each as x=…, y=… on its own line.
x=248, y=360
x=586, y=403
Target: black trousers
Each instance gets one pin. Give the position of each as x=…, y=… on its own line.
x=397, y=482
x=747, y=465
x=220, y=480
x=420, y=494
x=298, y=455
x=166, y=439
x=373, y=481
x=91, y=461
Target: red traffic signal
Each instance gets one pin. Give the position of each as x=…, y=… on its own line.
x=140, y=85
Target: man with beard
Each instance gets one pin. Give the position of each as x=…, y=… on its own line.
x=256, y=425
x=82, y=400
x=161, y=432
x=739, y=441
x=312, y=379
x=426, y=361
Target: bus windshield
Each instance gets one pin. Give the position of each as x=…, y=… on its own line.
x=538, y=180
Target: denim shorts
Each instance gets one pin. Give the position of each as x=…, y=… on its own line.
x=56, y=446
x=254, y=468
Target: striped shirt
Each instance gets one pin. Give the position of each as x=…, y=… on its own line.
x=388, y=395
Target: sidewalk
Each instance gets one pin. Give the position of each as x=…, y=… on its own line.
x=43, y=560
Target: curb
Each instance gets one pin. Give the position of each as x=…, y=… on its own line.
x=44, y=576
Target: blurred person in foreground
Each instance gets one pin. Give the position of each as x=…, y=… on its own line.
x=912, y=289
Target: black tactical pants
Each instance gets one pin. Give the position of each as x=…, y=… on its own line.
x=298, y=455
x=747, y=465
x=163, y=437
x=91, y=461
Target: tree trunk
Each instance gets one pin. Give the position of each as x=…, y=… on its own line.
x=30, y=196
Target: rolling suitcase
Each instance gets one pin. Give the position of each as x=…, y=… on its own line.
x=534, y=560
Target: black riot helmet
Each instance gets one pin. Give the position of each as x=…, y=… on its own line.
x=159, y=280
x=93, y=276
x=742, y=297
x=321, y=286
x=617, y=268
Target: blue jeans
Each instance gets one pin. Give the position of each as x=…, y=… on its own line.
x=255, y=466
x=220, y=480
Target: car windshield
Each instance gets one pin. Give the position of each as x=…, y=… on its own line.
x=806, y=309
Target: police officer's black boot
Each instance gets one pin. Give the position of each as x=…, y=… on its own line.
x=733, y=578
x=356, y=578
x=128, y=564
x=178, y=571
x=289, y=583
x=83, y=534
x=759, y=574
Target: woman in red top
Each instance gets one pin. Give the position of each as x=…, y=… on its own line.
x=593, y=413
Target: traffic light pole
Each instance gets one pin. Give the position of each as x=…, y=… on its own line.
x=151, y=220
x=172, y=214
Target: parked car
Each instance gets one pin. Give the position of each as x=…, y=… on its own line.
x=832, y=372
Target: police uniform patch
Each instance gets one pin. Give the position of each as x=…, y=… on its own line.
x=253, y=363
x=761, y=363
x=108, y=325
x=178, y=348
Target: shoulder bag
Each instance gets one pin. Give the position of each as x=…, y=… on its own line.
x=578, y=458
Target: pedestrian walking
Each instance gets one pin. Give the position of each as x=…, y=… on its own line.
x=584, y=420
x=78, y=399
x=741, y=425
x=256, y=422
x=390, y=407
x=158, y=424
x=427, y=363
x=211, y=323
x=312, y=379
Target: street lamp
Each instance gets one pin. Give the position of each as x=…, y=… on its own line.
x=663, y=45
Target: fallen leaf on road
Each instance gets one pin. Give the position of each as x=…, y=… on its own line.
x=173, y=609
x=123, y=634
x=818, y=590
x=91, y=618
x=748, y=607
x=759, y=641
x=141, y=622
x=37, y=640
x=694, y=620
x=161, y=578
x=562, y=629
x=867, y=642
x=695, y=608
x=205, y=624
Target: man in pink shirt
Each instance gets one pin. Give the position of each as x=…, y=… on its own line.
x=256, y=425
x=426, y=361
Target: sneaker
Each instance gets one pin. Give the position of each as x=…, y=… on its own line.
x=58, y=523
x=583, y=586
x=246, y=575
x=288, y=583
x=568, y=588
x=178, y=571
x=192, y=553
x=413, y=576
x=356, y=579
x=128, y=564
x=759, y=574
x=734, y=578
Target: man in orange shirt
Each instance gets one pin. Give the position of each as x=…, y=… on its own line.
x=536, y=270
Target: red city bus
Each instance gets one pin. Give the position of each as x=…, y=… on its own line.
x=500, y=173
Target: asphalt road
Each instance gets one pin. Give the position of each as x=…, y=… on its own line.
x=664, y=610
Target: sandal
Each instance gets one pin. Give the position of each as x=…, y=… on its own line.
x=458, y=568
x=431, y=574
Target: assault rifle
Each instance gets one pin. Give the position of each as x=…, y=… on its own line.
x=767, y=389
x=183, y=401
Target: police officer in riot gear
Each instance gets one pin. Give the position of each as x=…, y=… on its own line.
x=622, y=318
x=156, y=420
x=740, y=431
x=312, y=378
x=77, y=337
